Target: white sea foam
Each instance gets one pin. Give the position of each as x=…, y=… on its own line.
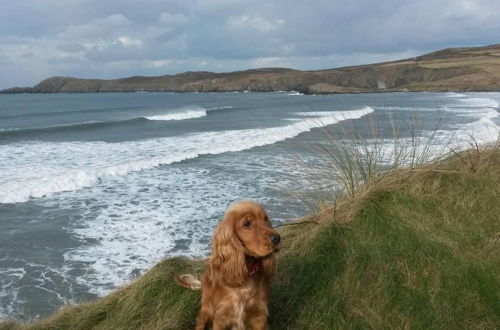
x=483, y=128
x=408, y=108
x=186, y=113
x=295, y=93
x=179, y=116
x=477, y=102
x=69, y=166
x=9, y=290
x=164, y=212
x=49, y=283
x=483, y=111
x=147, y=223
x=221, y=107
x=337, y=115
x=453, y=94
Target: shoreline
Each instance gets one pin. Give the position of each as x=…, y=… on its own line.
x=471, y=90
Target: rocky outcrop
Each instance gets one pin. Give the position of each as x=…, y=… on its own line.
x=460, y=69
x=67, y=84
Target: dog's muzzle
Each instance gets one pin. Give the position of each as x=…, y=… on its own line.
x=275, y=239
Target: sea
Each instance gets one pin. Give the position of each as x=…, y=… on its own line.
x=95, y=189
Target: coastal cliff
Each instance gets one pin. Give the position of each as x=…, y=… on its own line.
x=452, y=69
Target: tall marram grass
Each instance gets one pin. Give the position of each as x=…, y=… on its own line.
x=348, y=156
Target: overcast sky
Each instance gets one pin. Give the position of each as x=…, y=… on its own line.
x=111, y=39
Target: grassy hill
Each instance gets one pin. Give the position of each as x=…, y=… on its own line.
x=452, y=69
x=415, y=249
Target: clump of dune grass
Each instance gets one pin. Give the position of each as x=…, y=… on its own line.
x=347, y=156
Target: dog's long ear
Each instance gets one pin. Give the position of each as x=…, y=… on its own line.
x=227, y=263
x=269, y=265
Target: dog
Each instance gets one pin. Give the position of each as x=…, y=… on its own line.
x=235, y=284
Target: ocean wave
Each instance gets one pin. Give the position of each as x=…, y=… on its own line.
x=42, y=114
x=453, y=94
x=483, y=128
x=186, y=113
x=479, y=102
x=68, y=166
x=189, y=113
x=84, y=125
x=484, y=111
x=221, y=108
x=473, y=102
x=408, y=108
x=182, y=113
x=338, y=115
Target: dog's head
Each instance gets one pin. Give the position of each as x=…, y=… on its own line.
x=245, y=231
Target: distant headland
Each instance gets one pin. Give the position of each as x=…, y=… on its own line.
x=451, y=69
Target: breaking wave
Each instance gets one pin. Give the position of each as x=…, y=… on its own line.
x=68, y=166
x=182, y=113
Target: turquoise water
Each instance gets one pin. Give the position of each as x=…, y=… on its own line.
x=97, y=188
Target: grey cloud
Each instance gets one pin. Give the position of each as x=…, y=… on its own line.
x=113, y=52
x=4, y=58
x=173, y=19
x=97, y=29
x=28, y=55
x=82, y=37
x=70, y=47
x=63, y=60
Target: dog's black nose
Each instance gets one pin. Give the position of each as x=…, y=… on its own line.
x=275, y=238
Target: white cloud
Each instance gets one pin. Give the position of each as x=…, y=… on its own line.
x=254, y=23
x=96, y=29
x=478, y=10
x=128, y=42
x=159, y=63
x=269, y=62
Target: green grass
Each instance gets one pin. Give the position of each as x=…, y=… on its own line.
x=422, y=252
x=416, y=249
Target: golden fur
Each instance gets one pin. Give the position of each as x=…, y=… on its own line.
x=235, y=285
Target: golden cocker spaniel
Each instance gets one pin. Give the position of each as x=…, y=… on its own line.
x=235, y=284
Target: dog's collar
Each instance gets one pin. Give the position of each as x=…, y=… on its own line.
x=254, y=268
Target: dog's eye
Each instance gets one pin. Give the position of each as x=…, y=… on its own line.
x=247, y=223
